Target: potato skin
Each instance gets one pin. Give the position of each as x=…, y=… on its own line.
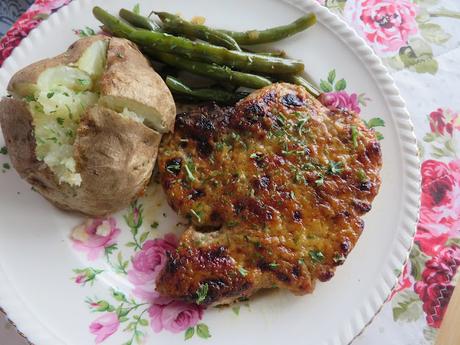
x=114, y=155
x=128, y=74
x=19, y=84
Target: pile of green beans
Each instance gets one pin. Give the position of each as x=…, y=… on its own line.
x=211, y=53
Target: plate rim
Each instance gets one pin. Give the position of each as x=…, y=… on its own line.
x=32, y=329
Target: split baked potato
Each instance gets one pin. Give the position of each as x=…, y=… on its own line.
x=83, y=128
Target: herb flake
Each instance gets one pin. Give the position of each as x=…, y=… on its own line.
x=335, y=168
x=243, y=272
x=196, y=214
x=354, y=136
x=316, y=256
x=201, y=293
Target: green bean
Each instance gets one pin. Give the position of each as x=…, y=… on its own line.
x=176, y=25
x=298, y=80
x=220, y=96
x=272, y=34
x=137, y=20
x=276, y=53
x=197, y=50
x=211, y=71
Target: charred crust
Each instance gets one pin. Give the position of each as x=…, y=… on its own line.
x=292, y=100
x=361, y=207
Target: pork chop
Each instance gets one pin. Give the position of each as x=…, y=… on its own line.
x=274, y=188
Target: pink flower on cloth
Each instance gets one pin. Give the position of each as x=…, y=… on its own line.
x=147, y=264
x=435, y=288
x=385, y=24
x=444, y=121
x=175, y=316
x=405, y=280
x=104, y=326
x=440, y=205
x=94, y=236
x=28, y=21
x=49, y=5
x=340, y=100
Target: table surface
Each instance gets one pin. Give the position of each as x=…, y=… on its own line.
x=419, y=41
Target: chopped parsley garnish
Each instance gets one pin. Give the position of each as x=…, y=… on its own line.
x=4, y=150
x=29, y=98
x=232, y=224
x=320, y=180
x=339, y=259
x=60, y=120
x=190, y=169
x=154, y=225
x=53, y=139
x=201, y=293
x=354, y=136
x=196, y=214
x=254, y=155
x=86, y=32
x=335, y=168
x=316, y=255
x=300, y=125
x=281, y=119
x=243, y=272
x=362, y=175
x=69, y=133
x=298, y=177
x=219, y=146
x=273, y=265
x=66, y=94
x=301, y=261
x=70, y=111
x=83, y=82
x=50, y=94
x=174, y=167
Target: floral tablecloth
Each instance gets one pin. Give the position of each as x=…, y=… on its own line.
x=419, y=41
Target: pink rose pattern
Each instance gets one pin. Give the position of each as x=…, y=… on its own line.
x=104, y=326
x=175, y=316
x=147, y=264
x=341, y=100
x=94, y=236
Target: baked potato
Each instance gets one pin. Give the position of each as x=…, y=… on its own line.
x=83, y=128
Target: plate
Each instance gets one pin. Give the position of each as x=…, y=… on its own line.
x=57, y=291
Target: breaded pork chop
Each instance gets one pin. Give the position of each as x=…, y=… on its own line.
x=274, y=188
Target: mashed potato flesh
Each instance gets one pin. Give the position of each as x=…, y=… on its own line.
x=62, y=95
x=57, y=113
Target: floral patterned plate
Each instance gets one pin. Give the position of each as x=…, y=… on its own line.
x=67, y=280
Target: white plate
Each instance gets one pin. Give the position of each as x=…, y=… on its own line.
x=37, y=257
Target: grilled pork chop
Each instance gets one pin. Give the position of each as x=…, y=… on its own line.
x=274, y=188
